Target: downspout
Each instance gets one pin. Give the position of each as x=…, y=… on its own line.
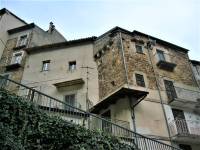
x=159, y=92
x=194, y=77
x=126, y=74
x=124, y=61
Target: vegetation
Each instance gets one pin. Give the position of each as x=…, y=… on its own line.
x=23, y=126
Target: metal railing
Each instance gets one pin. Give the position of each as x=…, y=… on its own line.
x=184, y=127
x=90, y=121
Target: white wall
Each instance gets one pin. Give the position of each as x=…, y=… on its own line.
x=59, y=72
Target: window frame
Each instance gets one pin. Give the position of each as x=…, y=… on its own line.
x=4, y=82
x=14, y=56
x=139, y=51
x=71, y=66
x=140, y=82
x=72, y=102
x=25, y=40
x=47, y=66
x=161, y=55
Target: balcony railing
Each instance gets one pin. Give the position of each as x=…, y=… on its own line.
x=182, y=127
x=184, y=98
x=91, y=121
x=8, y=64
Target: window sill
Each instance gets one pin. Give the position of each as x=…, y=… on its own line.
x=19, y=47
x=13, y=66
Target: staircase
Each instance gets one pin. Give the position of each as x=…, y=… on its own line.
x=53, y=106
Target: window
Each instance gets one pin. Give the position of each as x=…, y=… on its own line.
x=161, y=55
x=17, y=58
x=139, y=49
x=3, y=81
x=22, y=40
x=140, y=80
x=70, y=99
x=170, y=90
x=72, y=65
x=45, y=65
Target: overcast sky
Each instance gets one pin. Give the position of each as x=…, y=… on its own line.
x=176, y=21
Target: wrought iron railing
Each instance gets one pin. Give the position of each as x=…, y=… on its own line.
x=184, y=127
x=91, y=121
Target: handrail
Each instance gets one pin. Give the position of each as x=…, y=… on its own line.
x=93, y=121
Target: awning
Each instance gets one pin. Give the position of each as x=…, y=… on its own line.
x=69, y=83
x=113, y=98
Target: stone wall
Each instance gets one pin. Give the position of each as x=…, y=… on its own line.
x=110, y=65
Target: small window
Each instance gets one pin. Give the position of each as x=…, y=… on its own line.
x=45, y=65
x=17, y=58
x=22, y=40
x=140, y=80
x=72, y=65
x=70, y=99
x=139, y=49
x=4, y=81
x=160, y=55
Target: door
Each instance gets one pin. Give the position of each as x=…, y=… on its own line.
x=170, y=90
x=180, y=121
x=106, y=126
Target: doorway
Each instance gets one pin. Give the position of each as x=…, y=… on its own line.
x=180, y=121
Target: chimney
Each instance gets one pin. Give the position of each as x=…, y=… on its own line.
x=51, y=27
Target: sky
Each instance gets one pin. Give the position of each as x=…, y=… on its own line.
x=175, y=21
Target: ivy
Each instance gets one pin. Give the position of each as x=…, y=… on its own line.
x=24, y=127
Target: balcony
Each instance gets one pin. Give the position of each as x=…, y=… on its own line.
x=10, y=63
x=169, y=66
x=165, y=60
x=184, y=98
x=185, y=130
x=69, y=83
x=109, y=128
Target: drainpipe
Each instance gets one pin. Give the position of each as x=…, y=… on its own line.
x=194, y=77
x=159, y=92
x=124, y=61
x=126, y=74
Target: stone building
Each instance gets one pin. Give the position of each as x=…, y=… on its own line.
x=133, y=79
x=148, y=84
x=196, y=69
x=8, y=21
x=13, y=57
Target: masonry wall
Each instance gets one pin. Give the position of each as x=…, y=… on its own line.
x=7, y=22
x=150, y=119
x=111, y=72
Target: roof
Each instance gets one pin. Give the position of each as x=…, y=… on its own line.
x=162, y=42
x=22, y=28
x=61, y=44
x=195, y=62
x=113, y=98
x=4, y=10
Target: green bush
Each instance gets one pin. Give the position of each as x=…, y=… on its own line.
x=23, y=126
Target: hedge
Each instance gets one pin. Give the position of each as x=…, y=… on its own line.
x=24, y=127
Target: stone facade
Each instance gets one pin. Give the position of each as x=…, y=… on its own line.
x=117, y=59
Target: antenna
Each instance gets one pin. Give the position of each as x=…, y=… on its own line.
x=87, y=80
